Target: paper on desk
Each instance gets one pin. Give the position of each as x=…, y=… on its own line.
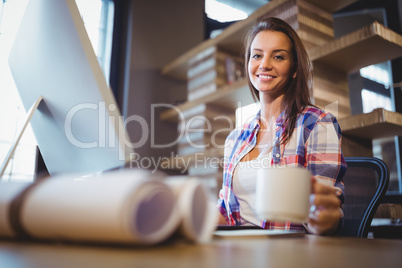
x=130, y=206
x=115, y=207
x=256, y=233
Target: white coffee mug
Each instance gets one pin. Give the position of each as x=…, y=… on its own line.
x=283, y=194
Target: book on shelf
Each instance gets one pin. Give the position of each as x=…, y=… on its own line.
x=204, y=128
x=234, y=69
x=183, y=162
x=189, y=150
x=211, y=69
x=199, y=145
x=202, y=91
x=186, y=149
x=207, y=110
x=215, y=76
x=207, y=64
x=195, y=140
x=211, y=58
x=213, y=134
x=207, y=131
x=207, y=117
x=131, y=206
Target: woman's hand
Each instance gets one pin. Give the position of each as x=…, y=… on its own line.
x=325, y=211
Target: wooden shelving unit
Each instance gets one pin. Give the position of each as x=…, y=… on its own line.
x=370, y=45
x=230, y=96
x=347, y=54
x=231, y=38
x=379, y=123
x=358, y=131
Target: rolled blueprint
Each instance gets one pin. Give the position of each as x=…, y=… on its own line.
x=129, y=206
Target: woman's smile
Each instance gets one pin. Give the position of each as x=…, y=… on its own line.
x=265, y=76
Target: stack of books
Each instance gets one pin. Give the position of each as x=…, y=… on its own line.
x=202, y=132
x=204, y=128
x=211, y=69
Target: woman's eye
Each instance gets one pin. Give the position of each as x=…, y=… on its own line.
x=279, y=57
x=256, y=56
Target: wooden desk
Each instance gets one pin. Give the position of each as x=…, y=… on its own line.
x=308, y=251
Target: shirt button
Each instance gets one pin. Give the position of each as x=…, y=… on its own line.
x=277, y=155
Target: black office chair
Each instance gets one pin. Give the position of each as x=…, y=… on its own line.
x=366, y=181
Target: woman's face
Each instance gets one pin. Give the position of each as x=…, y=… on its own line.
x=271, y=62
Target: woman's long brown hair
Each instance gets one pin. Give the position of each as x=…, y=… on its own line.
x=297, y=93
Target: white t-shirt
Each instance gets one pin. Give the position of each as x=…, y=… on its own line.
x=244, y=187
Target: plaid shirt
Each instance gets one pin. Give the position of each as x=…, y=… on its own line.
x=315, y=144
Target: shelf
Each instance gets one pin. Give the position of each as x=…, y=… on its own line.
x=230, y=96
x=231, y=39
x=348, y=53
x=379, y=123
x=372, y=44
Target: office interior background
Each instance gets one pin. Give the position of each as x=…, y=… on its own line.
x=134, y=40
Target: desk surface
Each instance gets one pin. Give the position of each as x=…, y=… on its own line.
x=308, y=251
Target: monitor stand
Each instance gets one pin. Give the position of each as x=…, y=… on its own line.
x=14, y=144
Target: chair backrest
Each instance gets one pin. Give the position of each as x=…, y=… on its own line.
x=366, y=182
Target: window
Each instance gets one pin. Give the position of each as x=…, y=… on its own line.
x=372, y=100
x=377, y=73
x=98, y=19
x=221, y=13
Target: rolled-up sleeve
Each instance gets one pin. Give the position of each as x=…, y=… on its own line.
x=324, y=156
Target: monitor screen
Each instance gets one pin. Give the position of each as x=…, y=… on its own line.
x=78, y=126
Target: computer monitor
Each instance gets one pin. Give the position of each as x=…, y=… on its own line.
x=77, y=125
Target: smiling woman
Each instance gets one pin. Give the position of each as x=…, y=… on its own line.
x=287, y=131
x=98, y=18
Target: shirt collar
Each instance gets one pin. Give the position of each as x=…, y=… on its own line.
x=280, y=121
